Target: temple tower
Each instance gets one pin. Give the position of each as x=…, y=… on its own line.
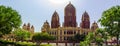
x=32, y=29
x=94, y=26
x=55, y=20
x=70, y=16
x=24, y=26
x=45, y=27
x=28, y=27
x=85, y=21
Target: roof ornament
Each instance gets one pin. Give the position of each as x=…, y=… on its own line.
x=46, y=21
x=69, y=2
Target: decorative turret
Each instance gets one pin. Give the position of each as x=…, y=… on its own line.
x=70, y=7
x=24, y=26
x=32, y=29
x=85, y=16
x=85, y=21
x=55, y=20
x=45, y=27
x=94, y=26
x=70, y=16
x=28, y=27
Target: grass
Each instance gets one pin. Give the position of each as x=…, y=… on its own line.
x=5, y=43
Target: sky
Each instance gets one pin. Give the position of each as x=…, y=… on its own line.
x=36, y=12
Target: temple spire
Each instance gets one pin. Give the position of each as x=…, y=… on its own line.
x=70, y=16
x=69, y=2
x=55, y=20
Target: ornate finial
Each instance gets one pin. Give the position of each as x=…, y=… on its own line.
x=32, y=26
x=69, y=2
x=85, y=11
x=55, y=14
x=55, y=11
x=94, y=21
x=28, y=24
x=46, y=20
x=24, y=24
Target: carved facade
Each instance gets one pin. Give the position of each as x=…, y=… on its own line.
x=28, y=27
x=94, y=27
x=69, y=27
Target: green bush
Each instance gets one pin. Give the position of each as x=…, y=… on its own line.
x=25, y=44
x=5, y=43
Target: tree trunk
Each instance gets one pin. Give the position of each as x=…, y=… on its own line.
x=38, y=43
x=106, y=42
x=99, y=44
x=117, y=40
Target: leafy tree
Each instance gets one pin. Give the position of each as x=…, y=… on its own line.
x=99, y=41
x=42, y=37
x=21, y=34
x=111, y=21
x=91, y=37
x=99, y=36
x=88, y=39
x=104, y=35
x=78, y=37
x=9, y=19
x=85, y=43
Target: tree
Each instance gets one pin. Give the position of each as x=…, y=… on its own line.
x=42, y=37
x=9, y=19
x=111, y=21
x=102, y=32
x=99, y=41
x=91, y=37
x=78, y=37
x=88, y=39
x=21, y=34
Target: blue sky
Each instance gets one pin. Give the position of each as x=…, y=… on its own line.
x=36, y=12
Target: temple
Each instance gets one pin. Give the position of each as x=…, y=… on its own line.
x=28, y=27
x=69, y=27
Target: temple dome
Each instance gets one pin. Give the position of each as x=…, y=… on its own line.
x=55, y=20
x=85, y=16
x=46, y=23
x=94, y=26
x=69, y=7
x=55, y=16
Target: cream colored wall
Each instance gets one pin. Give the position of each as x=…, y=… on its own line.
x=62, y=29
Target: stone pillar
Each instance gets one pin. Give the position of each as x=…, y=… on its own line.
x=73, y=43
x=56, y=43
x=65, y=43
x=48, y=42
